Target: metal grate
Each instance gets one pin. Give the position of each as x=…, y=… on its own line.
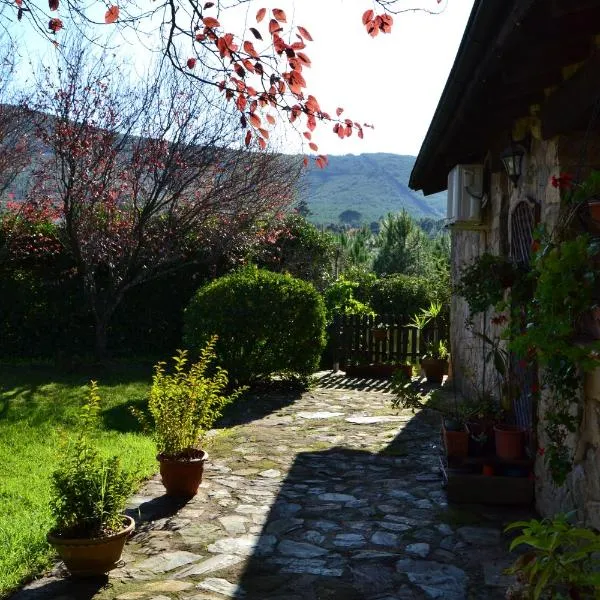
x=521, y=233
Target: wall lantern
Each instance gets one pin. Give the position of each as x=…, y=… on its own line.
x=512, y=158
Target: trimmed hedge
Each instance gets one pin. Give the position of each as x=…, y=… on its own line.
x=401, y=294
x=267, y=323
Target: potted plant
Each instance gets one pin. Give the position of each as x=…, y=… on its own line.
x=435, y=361
x=89, y=494
x=379, y=332
x=184, y=405
x=562, y=560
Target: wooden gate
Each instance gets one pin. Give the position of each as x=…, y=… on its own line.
x=383, y=339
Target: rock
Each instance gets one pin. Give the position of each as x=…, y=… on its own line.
x=250, y=509
x=349, y=540
x=270, y=473
x=300, y=549
x=337, y=498
x=215, y=563
x=325, y=525
x=234, y=524
x=314, y=537
x=132, y=596
x=281, y=526
x=382, y=538
x=437, y=580
x=244, y=545
x=399, y=527
x=419, y=549
x=373, y=579
x=221, y=586
x=480, y=536
x=168, y=561
x=311, y=566
x=169, y=586
x=361, y=420
x=322, y=414
x=445, y=529
x=286, y=509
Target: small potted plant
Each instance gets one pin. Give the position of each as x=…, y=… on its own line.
x=183, y=406
x=435, y=361
x=379, y=332
x=89, y=494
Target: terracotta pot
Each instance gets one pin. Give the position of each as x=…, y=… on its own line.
x=379, y=335
x=92, y=556
x=509, y=441
x=456, y=442
x=182, y=476
x=434, y=368
x=589, y=213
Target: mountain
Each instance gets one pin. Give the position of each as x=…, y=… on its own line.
x=370, y=184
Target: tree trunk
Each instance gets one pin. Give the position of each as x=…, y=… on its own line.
x=101, y=336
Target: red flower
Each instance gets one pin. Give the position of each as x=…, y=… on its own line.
x=563, y=182
x=55, y=25
x=499, y=319
x=191, y=63
x=541, y=451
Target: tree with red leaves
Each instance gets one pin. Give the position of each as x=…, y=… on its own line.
x=148, y=180
x=260, y=69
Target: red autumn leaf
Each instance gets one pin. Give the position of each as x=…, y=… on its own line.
x=304, y=58
x=249, y=66
x=52, y=4
x=241, y=102
x=226, y=46
x=312, y=104
x=313, y=147
x=248, y=137
x=386, y=22
x=311, y=122
x=298, y=45
x=19, y=3
x=307, y=135
x=279, y=15
x=55, y=25
x=256, y=33
x=361, y=135
x=304, y=33
x=211, y=22
x=321, y=161
x=372, y=29
x=339, y=111
x=262, y=143
x=367, y=16
x=191, y=63
x=260, y=15
x=250, y=50
x=200, y=37
x=274, y=27
x=305, y=161
x=278, y=43
x=208, y=5
x=271, y=119
x=264, y=133
x=255, y=120
x=112, y=14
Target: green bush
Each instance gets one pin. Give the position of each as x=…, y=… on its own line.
x=89, y=492
x=401, y=294
x=266, y=323
x=185, y=404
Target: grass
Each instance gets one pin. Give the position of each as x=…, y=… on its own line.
x=38, y=415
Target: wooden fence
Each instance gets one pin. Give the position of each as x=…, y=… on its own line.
x=382, y=339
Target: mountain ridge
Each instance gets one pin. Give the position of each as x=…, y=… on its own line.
x=373, y=184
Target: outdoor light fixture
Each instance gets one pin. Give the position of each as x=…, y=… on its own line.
x=512, y=158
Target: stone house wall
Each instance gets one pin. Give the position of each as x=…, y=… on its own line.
x=575, y=154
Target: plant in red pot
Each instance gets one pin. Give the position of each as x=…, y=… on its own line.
x=184, y=405
x=89, y=493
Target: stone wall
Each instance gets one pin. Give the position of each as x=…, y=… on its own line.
x=575, y=154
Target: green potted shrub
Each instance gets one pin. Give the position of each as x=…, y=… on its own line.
x=435, y=361
x=183, y=405
x=562, y=560
x=89, y=494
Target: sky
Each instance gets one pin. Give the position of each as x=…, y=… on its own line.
x=393, y=81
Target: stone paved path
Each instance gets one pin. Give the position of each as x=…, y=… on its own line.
x=333, y=496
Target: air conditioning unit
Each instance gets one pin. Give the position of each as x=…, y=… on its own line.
x=465, y=193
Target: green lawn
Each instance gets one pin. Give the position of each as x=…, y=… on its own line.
x=38, y=413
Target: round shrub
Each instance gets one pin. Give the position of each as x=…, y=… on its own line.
x=401, y=294
x=267, y=323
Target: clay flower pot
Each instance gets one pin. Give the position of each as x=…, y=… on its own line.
x=509, y=441
x=435, y=369
x=92, y=556
x=182, y=476
x=456, y=440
